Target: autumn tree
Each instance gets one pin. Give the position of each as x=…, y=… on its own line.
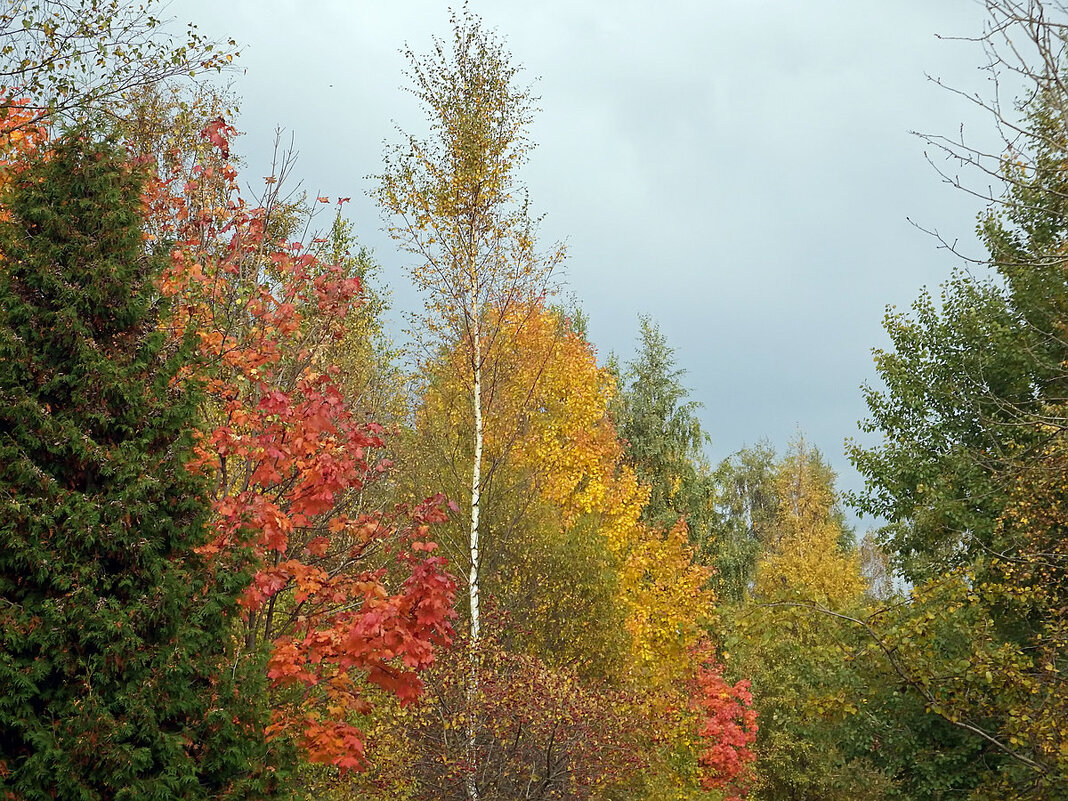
x=1028, y=674
x=550, y=716
x=165, y=126
x=343, y=597
x=796, y=656
x=566, y=495
x=579, y=581
x=810, y=547
x=89, y=57
x=727, y=726
x=116, y=669
x=573, y=464
x=453, y=204
x=545, y=732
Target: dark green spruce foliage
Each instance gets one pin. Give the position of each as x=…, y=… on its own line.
x=664, y=440
x=113, y=674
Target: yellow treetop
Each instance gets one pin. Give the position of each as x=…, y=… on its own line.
x=570, y=446
x=806, y=559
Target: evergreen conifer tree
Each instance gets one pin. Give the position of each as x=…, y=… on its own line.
x=664, y=439
x=114, y=632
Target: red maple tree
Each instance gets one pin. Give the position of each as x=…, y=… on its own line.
x=342, y=596
x=727, y=723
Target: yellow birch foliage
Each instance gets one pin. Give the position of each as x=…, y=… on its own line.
x=565, y=551
x=1031, y=581
x=796, y=657
x=558, y=464
x=805, y=559
x=569, y=446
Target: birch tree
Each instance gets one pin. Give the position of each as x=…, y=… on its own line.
x=66, y=59
x=455, y=205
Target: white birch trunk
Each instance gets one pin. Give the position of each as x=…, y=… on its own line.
x=473, y=577
x=476, y=491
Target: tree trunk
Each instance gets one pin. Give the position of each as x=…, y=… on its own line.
x=473, y=577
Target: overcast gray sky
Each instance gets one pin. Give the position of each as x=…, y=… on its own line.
x=740, y=170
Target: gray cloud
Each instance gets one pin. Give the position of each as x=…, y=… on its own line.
x=740, y=170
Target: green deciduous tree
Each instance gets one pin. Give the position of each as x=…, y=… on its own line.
x=71, y=58
x=969, y=473
x=115, y=674
x=969, y=375
x=746, y=505
x=957, y=380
